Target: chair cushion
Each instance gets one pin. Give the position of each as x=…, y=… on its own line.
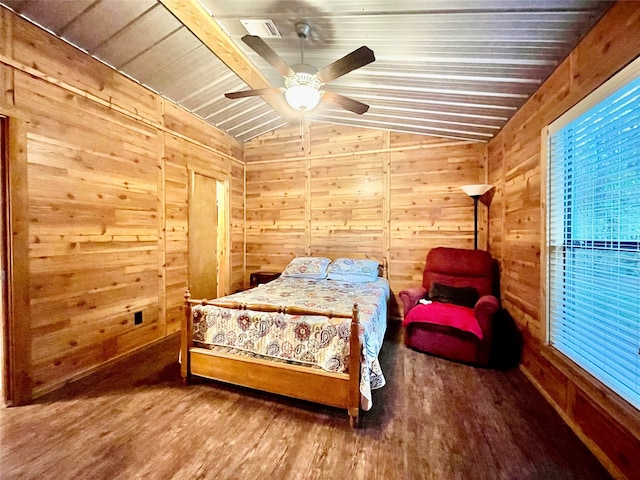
x=465, y=296
x=446, y=314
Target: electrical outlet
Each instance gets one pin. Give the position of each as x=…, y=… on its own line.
x=137, y=318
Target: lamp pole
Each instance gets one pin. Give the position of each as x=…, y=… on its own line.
x=475, y=221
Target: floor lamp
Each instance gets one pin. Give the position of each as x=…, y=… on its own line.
x=475, y=192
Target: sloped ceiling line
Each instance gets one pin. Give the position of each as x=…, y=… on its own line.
x=457, y=68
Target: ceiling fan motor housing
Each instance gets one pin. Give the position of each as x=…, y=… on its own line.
x=303, y=78
x=303, y=30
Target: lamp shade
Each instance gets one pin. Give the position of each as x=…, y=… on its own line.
x=303, y=89
x=476, y=190
x=302, y=97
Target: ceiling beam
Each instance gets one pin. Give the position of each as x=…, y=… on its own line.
x=197, y=20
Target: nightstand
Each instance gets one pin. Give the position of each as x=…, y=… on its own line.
x=261, y=276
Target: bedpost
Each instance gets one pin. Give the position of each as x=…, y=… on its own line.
x=355, y=355
x=186, y=339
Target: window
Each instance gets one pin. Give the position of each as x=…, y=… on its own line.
x=593, y=234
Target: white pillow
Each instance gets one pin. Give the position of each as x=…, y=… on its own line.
x=307, y=267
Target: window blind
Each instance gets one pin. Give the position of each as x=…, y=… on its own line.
x=593, y=238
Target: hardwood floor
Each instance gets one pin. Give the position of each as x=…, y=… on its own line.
x=433, y=420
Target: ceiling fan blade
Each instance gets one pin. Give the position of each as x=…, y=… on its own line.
x=275, y=98
x=265, y=51
x=344, y=102
x=356, y=59
x=252, y=93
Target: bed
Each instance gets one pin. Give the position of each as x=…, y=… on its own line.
x=295, y=335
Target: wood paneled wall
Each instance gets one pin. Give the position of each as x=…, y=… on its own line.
x=107, y=175
x=344, y=191
x=609, y=426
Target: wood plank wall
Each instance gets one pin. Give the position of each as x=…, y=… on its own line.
x=609, y=426
x=107, y=203
x=354, y=191
x=107, y=177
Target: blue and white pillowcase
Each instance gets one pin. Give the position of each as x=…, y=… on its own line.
x=353, y=270
x=307, y=267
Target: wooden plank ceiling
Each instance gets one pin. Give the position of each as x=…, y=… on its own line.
x=448, y=68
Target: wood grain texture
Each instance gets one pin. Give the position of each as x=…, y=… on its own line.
x=514, y=159
x=203, y=236
x=434, y=420
x=181, y=156
x=289, y=380
x=93, y=208
x=237, y=225
x=331, y=140
x=38, y=49
x=495, y=174
x=360, y=192
x=106, y=162
x=275, y=214
x=6, y=50
x=18, y=339
x=346, y=204
x=335, y=389
x=427, y=208
x=180, y=121
x=176, y=266
x=282, y=143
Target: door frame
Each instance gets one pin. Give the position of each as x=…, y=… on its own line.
x=16, y=368
x=223, y=203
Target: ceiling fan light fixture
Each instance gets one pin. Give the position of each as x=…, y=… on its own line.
x=302, y=97
x=302, y=91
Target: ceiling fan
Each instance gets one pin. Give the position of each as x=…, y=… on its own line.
x=303, y=82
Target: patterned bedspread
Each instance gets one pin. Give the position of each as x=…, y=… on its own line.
x=312, y=340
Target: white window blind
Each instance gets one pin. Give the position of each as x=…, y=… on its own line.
x=593, y=235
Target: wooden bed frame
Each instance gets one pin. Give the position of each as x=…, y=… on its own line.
x=340, y=390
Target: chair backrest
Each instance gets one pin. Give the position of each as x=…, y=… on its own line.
x=459, y=267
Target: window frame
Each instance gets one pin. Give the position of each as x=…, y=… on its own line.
x=609, y=87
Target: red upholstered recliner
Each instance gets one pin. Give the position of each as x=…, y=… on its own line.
x=450, y=330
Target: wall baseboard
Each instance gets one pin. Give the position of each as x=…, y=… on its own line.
x=103, y=366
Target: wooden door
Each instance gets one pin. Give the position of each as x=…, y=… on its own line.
x=203, y=236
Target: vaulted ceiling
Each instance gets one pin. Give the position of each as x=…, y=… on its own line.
x=450, y=68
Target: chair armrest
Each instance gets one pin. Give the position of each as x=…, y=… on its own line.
x=410, y=297
x=486, y=307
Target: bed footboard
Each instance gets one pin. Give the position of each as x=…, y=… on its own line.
x=340, y=390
